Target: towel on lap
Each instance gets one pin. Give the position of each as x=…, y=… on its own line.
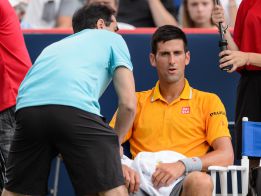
x=145, y=164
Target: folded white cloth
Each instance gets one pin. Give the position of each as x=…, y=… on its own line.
x=145, y=164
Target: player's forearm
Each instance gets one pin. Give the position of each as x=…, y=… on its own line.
x=217, y=157
x=221, y=155
x=160, y=14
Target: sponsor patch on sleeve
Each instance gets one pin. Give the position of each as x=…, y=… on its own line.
x=217, y=113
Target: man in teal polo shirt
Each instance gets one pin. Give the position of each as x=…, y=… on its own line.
x=58, y=110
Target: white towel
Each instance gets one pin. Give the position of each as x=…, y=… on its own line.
x=145, y=164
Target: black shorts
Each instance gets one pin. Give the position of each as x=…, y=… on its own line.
x=89, y=147
x=248, y=103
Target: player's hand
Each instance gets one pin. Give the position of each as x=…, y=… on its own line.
x=166, y=173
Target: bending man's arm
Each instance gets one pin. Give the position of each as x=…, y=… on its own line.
x=125, y=88
x=160, y=14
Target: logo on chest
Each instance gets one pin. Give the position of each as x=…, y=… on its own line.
x=185, y=110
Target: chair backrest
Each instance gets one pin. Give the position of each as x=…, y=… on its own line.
x=251, y=138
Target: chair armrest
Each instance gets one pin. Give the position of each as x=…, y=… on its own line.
x=236, y=168
x=217, y=168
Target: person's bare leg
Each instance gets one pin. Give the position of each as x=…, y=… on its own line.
x=9, y=193
x=197, y=184
x=119, y=191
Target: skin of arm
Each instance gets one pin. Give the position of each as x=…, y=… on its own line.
x=221, y=155
x=64, y=22
x=160, y=14
x=232, y=9
x=217, y=17
x=125, y=89
x=233, y=56
x=131, y=177
x=254, y=59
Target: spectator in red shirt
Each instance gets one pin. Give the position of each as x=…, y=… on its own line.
x=14, y=63
x=245, y=55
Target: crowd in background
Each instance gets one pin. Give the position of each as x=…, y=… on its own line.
x=45, y=14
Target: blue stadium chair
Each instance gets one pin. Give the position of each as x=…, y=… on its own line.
x=251, y=147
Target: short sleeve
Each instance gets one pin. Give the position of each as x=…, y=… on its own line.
x=120, y=55
x=216, y=119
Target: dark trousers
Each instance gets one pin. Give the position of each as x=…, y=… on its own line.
x=7, y=128
x=248, y=103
